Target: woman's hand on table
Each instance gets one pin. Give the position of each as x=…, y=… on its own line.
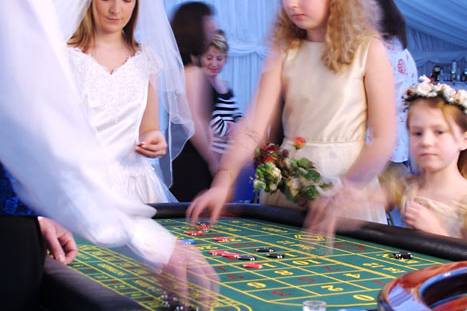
x=212, y=200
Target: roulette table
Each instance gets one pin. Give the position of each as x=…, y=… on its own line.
x=351, y=274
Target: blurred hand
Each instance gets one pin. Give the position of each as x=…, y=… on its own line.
x=321, y=218
x=189, y=277
x=152, y=144
x=324, y=212
x=59, y=241
x=212, y=200
x=422, y=218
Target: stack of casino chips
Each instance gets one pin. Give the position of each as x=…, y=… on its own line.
x=171, y=303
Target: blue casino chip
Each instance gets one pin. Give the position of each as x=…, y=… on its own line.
x=188, y=241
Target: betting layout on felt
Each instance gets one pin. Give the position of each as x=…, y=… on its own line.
x=203, y=227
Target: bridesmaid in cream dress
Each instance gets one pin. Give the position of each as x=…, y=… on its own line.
x=335, y=85
x=329, y=110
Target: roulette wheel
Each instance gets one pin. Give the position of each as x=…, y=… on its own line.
x=437, y=288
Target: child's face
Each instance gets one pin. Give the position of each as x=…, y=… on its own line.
x=213, y=61
x=111, y=16
x=434, y=143
x=307, y=14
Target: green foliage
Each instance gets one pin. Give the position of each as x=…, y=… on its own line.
x=297, y=179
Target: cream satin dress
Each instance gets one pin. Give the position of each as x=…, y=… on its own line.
x=329, y=110
x=452, y=215
x=114, y=106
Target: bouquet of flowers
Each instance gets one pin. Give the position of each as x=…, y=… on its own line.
x=297, y=179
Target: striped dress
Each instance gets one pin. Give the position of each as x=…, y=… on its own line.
x=224, y=111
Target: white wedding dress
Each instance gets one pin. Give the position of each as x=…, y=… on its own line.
x=115, y=103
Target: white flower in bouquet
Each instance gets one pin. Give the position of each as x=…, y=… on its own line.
x=267, y=177
x=293, y=186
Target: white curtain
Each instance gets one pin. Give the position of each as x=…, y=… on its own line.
x=247, y=24
x=437, y=32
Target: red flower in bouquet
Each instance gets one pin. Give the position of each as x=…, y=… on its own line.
x=299, y=142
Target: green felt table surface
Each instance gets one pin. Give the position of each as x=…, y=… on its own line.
x=344, y=272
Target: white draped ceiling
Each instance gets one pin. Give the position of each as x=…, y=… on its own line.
x=437, y=33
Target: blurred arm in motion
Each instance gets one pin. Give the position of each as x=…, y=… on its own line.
x=47, y=145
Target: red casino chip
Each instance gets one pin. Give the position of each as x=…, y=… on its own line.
x=252, y=265
x=221, y=239
x=203, y=227
x=217, y=252
x=230, y=255
x=195, y=233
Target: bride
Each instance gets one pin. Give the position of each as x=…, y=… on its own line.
x=119, y=78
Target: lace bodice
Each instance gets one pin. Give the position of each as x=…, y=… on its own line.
x=115, y=102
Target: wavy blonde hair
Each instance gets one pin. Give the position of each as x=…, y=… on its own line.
x=350, y=23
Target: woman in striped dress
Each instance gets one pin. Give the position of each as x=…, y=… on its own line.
x=225, y=111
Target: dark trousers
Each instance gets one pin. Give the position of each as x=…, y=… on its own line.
x=22, y=256
x=190, y=174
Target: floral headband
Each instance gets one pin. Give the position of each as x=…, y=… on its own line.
x=427, y=89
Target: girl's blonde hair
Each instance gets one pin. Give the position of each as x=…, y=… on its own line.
x=350, y=23
x=219, y=41
x=450, y=112
x=84, y=35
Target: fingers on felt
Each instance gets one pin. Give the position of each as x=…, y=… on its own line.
x=69, y=246
x=195, y=209
x=54, y=245
x=202, y=203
